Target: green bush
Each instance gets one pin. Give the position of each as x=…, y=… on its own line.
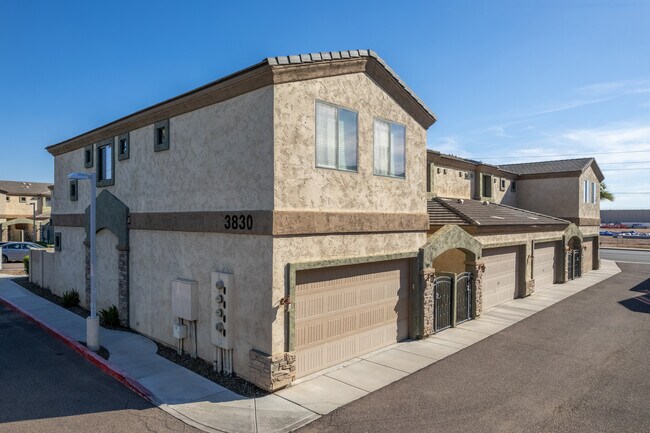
x=110, y=317
x=26, y=264
x=70, y=298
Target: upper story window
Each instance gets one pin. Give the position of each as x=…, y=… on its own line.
x=336, y=137
x=88, y=156
x=161, y=136
x=513, y=186
x=593, y=192
x=7, y=198
x=585, y=191
x=486, y=185
x=390, y=149
x=502, y=184
x=105, y=164
x=22, y=199
x=123, y=147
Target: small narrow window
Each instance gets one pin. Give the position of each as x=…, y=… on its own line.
x=336, y=137
x=57, y=241
x=161, y=136
x=487, y=185
x=585, y=191
x=123, y=147
x=390, y=149
x=7, y=198
x=23, y=199
x=593, y=193
x=105, y=164
x=513, y=186
x=502, y=184
x=74, y=193
x=88, y=156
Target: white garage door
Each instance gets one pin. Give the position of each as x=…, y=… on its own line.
x=347, y=311
x=544, y=265
x=501, y=275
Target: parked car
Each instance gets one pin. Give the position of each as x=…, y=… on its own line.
x=606, y=233
x=16, y=251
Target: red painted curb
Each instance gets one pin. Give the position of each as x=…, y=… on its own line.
x=89, y=355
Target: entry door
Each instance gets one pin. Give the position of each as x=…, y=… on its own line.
x=464, y=295
x=442, y=289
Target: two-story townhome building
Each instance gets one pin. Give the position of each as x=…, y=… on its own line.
x=24, y=207
x=537, y=223
x=287, y=202
x=288, y=217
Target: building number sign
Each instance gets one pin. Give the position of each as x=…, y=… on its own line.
x=239, y=222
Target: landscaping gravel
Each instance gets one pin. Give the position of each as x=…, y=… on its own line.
x=198, y=366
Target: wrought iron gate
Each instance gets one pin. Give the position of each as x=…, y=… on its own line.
x=442, y=287
x=464, y=297
x=575, y=263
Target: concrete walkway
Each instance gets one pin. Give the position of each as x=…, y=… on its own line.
x=210, y=407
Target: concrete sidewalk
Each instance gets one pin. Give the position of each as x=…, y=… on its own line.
x=210, y=407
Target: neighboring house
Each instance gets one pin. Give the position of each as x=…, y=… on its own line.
x=17, y=212
x=537, y=223
x=287, y=204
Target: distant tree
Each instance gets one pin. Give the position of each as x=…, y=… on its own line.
x=604, y=193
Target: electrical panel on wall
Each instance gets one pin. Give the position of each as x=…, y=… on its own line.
x=221, y=330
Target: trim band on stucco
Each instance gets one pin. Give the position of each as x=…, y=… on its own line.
x=270, y=223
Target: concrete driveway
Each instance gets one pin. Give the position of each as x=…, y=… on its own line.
x=578, y=366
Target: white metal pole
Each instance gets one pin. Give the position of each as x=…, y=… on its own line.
x=33, y=222
x=93, y=253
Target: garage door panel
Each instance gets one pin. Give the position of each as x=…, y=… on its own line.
x=501, y=275
x=544, y=265
x=348, y=311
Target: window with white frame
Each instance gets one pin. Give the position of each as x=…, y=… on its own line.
x=390, y=146
x=585, y=191
x=593, y=192
x=105, y=165
x=336, y=137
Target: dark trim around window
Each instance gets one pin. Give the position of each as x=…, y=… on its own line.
x=123, y=147
x=161, y=135
x=88, y=156
x=73, y=190
x=57, y=241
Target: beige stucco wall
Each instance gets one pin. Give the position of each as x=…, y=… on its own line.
x=157, y=258
x=69, y=263
x=506, y=195
x=450, y=261
x=452, y=182
x=300, y=185
x=220, y=158
x=288, y=250
x=589, y=210
x=556, y=196
x=14, y=207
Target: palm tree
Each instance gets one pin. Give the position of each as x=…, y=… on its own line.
x=604, y=193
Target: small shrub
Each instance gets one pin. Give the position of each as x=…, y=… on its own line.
x=26, y=264
x=110, y=317
x=70, y=298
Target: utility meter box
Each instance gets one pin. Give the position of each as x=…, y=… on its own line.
x=184, y=299
x=221, y=293
x=180, y=331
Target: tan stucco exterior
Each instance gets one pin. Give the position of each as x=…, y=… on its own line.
x=299, y=184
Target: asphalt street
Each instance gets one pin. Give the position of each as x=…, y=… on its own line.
x=580, y=365
x=631, y=256
x=46, y=387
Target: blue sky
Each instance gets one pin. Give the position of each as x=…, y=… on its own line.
x=509, y=80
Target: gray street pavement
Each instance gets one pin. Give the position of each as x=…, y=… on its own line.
x=46, y=387
x=621, y=255
x=577, y=366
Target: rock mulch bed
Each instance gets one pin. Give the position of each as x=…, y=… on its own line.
x=198, y=366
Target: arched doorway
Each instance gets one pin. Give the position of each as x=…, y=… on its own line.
x=451, y=280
